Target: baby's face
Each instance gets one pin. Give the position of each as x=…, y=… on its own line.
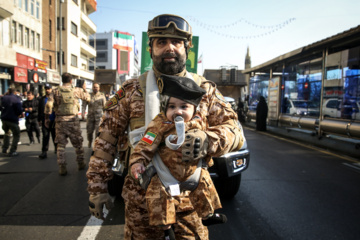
x=177, y=107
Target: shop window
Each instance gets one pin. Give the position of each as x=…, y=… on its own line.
x=259, y=85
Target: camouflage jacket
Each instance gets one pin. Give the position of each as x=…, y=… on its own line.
x=127, y=107
x=96, y=105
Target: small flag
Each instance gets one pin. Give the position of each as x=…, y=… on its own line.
x=149, y=138
x=200, y=59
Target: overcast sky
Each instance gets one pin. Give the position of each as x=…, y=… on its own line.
x=226, y=28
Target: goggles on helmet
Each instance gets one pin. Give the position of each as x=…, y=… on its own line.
x=164, y=21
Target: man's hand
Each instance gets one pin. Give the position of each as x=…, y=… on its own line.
x=97, y=202
x=136, y=169
x=195, y=145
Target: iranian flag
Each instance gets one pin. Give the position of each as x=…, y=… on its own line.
x=149, y=138
x=122, y=39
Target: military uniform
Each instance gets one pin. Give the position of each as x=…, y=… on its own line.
x=125, y=109
x=159, y=202
x=95, y=111
x=65, y=101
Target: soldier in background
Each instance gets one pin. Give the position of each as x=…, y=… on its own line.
x=65, y=101
x=95, y=111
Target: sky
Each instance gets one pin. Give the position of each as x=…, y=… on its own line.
x=270, y=28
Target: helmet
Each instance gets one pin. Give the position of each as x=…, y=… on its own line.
x=171, y=26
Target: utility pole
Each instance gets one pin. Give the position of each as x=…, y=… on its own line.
x=60, y=36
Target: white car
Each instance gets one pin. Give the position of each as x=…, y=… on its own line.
x=302, y=108
x=335, y=108
x=21, y=125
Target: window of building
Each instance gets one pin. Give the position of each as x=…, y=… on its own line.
x=20, y=3
x=101, y=44
x=101, y=57
x=27, y=31
x=32, y=40
x=73, y=60
x=75, y=1
x=14, y=32
x=32, y=7
x=38, y=10
x=20, y=34
x=38, y=42
x=63, y=57
x=49, y=2
x=62, y=23
x=50, y=30
x=50, y=62
x=74, y=28
x=26, y=2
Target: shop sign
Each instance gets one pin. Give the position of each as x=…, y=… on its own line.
x=20, y=75
x=22, y=60
x=31, y=64
x=36, y=77
x=40, y=65
x=53, y=77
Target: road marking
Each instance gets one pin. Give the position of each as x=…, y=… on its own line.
x=92, y=227
x=353, y=166
x=347, y=158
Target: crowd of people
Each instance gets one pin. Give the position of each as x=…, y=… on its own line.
x=31, y=106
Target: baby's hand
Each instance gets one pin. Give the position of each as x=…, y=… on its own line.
x=137, y=169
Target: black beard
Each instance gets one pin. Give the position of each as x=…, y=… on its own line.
x=169, y=68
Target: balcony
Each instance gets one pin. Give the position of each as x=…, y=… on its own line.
x=87, y=23
x=90, y=6
x=6, y=9
x=87, y=49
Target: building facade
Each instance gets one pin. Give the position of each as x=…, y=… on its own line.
x=117, y=50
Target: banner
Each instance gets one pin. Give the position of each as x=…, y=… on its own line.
x=191, y=62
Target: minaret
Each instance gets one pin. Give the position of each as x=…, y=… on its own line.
x=247, y=59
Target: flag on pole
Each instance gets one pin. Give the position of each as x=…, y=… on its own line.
x=200, y=59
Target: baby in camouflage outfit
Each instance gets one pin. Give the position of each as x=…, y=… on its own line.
x=181, y=97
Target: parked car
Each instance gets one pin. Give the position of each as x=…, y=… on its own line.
x=21, y=125
x=226, y=172
x=302, y=108
x=335, y=108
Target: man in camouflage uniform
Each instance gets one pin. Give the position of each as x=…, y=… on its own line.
x=65, y=101
x=95, y=111
x=169, y=40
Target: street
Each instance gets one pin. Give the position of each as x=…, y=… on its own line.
x=289, y=191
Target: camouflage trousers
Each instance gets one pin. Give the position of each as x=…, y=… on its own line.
x=188, y=225
x=161, y=205
x=71, y=130
x=92, y=125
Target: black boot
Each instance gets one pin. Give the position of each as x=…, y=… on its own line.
x=169, y=234
x=43, y=155
x=216, y=218
x=38, y=138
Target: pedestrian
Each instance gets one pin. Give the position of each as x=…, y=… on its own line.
x=261, y=114
x=95, y=112
x=31, y=108
x=133, y=107
x=11, y=109
x=65, y=101
x=46, y=132
x=166, y=173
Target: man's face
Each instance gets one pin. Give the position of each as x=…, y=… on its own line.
x=96, y=88
x=48, y=91
x=30, y=96
x=177, y=107
x=169, y=55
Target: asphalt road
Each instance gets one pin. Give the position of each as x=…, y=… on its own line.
x=288, y=192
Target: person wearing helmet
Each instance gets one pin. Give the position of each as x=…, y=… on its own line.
x=133, y=107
